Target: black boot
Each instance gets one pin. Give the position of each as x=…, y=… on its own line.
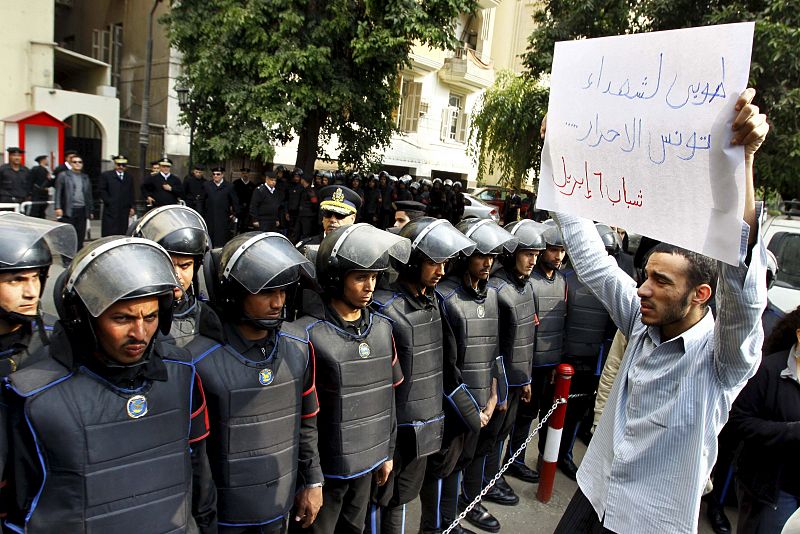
x=480, y=517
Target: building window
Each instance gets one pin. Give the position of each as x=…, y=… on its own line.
x=107, y=47
x=410, y=101
x=454, y=120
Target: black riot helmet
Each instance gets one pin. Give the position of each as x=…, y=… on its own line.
x=29, y=243
x=529, y=236
x=180, y=230
x=254, y=262
x=106, y=271
x=357, y=247
x=610, y=238
x=431, y=239
x=489, y=237
x=552, y=236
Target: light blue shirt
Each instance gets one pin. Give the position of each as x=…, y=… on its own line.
x=656, y=442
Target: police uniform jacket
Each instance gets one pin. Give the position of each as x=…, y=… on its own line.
x=118, y=198
x=152, y=187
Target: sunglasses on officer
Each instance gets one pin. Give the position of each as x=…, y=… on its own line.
x=327, y=214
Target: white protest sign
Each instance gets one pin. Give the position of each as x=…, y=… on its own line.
x=639, y=132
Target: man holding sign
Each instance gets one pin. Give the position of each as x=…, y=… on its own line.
x=656, y=442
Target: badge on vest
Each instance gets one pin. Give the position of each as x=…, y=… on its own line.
x=481, y=311
x=136, y=406
x=364, y=351
x=265, y=377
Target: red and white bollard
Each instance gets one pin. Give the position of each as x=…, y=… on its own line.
x=555, y=426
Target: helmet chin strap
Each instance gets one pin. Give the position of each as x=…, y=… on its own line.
x=18, y=318
x=112, y=364
x=264, y=324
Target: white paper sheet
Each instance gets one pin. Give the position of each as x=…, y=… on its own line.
x=639, y=131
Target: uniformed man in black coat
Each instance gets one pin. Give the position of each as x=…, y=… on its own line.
x=194, y=190
x=221, y=207
x=41, y=181
x=162, y=188
x=119, y=417
x=339, y=207
x=244, y=187
x=307, y=209
x=357, y=372
x=116, y=191
x=293, y=190
x=268, y=206
x=428, y=363
x=14, y=182
x=263, y=446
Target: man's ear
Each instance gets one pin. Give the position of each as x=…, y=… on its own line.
x=702, y=294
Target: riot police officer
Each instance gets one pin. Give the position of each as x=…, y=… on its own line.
x=26, y=253
x=118, y=416
x=356, y=371
x=260, y=389
x=413, y=307
x=550, y=288
x=183, y=234
x=470, y=309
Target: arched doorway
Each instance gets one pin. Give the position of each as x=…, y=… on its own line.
x=85, y=136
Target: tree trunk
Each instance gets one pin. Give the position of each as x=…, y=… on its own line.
x=308, y=142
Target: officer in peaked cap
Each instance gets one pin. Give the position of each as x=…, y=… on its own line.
x=119, y=417
x=116, y=191
x=426, y=353
x=162, y=188
x=338, y=207
x=263, y=451
x=357, y=371
x=14, y=186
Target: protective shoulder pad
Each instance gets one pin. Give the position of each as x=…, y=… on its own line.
x=37, y=377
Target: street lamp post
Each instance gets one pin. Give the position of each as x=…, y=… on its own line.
x=144, y=128
x=186, y=106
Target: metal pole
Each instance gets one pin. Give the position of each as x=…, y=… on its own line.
x=547, y=473
x=191, y=141
x=144, y=128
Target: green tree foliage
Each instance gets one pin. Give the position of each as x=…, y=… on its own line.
x=262, y=72
x=504, y=130
x=775, y=70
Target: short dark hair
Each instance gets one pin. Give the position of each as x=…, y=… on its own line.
x=701, y=270
x=68, y=153
x=784, y=334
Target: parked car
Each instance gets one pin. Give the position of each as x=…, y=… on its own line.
x=496, y=196
x=474, y=208
x=781, y=234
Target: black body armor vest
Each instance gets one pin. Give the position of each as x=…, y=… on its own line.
x=115, y=460
x=354, y=386
x=475, y=326
x=418, y=340
x=517, y=326
x=587, y=327
x=552, y=311
x=256, y=407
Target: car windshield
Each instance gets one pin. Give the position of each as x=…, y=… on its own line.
x=786, y=247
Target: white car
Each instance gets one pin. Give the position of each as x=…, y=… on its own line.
x=474, y=208
x=781, y=233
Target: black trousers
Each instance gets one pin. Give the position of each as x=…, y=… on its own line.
x=78, y=220
x=527, y=412
x=492, y=465
x=580, y=518
x=277, y=527
x=387, y=512
x=440, y=488
x=344, y=507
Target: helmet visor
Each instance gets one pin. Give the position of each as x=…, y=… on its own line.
x=363, y=245
x=20, y=233
x=262, y=260
x=123, y=268
x=490, y=238
x=159, y=223
x=529, y=234
x=443, y=241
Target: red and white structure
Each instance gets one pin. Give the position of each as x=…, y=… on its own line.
x=555, y=427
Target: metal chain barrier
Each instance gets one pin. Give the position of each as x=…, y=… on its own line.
x=510, y=461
